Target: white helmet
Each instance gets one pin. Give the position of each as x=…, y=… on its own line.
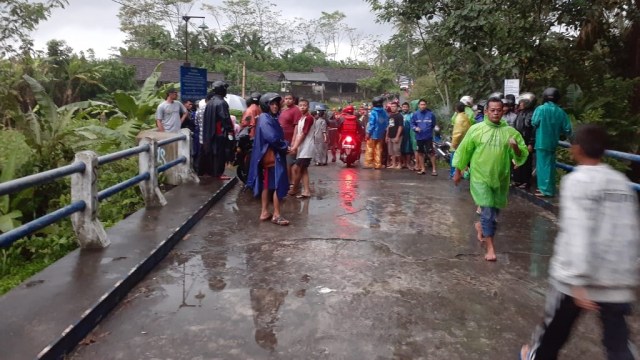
x=467, y=100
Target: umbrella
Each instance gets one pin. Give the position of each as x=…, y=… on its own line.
x=236, y=102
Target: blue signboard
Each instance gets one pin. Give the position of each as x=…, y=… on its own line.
x=193, y=83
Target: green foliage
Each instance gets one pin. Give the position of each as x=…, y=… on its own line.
x=382, y=81
x=47, y=136
x=18, y=18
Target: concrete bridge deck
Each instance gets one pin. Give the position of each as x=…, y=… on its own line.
x=376, y=265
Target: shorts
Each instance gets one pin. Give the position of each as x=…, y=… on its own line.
x=488, y=220
x=291, y=159
x=269, y=178
x=393, y=148
x=303, y=163
x=425, y=147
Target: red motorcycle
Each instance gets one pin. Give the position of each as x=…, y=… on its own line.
x=349, y=150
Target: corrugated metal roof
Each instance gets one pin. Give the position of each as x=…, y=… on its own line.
x=170, y=69
x=305, y=76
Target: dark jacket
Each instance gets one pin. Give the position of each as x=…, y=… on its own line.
x=524, y=127
x=216, y=116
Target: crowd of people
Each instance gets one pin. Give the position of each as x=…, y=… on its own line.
x=594, y=266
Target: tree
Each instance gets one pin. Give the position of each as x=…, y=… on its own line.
x=382, y=81
x=18, y=18
x=331, y=26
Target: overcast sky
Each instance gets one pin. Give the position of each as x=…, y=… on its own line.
x=85, y=24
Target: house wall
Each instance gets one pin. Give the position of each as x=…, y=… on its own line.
x=331, y=92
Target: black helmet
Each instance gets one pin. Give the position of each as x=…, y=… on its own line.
x=267, y=99
x=219, y=88
x=508, y=102
x=551, y=94
x=254, y=98
x=377, y=101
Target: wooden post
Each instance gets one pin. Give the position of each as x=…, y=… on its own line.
x=244, y=77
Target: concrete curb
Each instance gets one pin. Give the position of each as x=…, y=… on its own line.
x=547, y=205
x=92, y=316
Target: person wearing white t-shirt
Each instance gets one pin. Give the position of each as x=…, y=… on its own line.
x=171, y=113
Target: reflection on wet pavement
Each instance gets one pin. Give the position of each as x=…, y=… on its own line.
x=376, y=265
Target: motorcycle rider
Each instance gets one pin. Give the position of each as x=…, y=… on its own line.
x=349, y=126
x=250, y=115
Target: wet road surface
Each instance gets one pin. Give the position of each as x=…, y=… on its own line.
x=376, y=265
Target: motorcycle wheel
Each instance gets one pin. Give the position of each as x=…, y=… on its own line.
x=243, y=168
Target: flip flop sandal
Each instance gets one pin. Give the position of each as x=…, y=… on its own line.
x=540, y=194
x=434, y=173
x=303, y=196
x=280, y=221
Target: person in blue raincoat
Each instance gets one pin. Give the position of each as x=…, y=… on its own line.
x=268, y=167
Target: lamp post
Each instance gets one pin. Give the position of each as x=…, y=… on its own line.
x=186, y=19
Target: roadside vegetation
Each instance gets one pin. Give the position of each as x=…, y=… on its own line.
x=56, y=102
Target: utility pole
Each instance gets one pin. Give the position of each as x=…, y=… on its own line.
x=186, y=19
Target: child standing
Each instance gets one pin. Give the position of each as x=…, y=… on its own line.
x=595, y=260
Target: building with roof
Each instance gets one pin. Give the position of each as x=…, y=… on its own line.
x=170, y=70
x=325, y=83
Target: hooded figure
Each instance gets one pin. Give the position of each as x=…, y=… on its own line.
x=269, y=135
x=216, y=126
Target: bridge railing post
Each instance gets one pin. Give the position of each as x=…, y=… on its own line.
x=84, y=187
x=185, y=170
x=151, y=193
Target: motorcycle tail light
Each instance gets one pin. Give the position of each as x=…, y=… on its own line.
x=349, y=139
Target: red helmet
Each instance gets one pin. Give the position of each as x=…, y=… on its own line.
x=349, y=110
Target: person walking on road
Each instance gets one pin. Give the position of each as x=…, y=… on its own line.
x=550, y=122
x=489, y=147
x=268, y=168
x=595, y=266
x=376, y=131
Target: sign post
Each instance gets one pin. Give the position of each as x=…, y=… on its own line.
x=193, y=83
x=512, y=86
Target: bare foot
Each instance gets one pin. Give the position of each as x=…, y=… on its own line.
x=524, y=352
x=478, y=227
x=491, y=254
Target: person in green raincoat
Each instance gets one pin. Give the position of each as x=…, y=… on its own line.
x=490, y=147
x=550, y=122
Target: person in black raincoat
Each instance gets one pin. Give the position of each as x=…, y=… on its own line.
x=216, y=128
x=527, y=104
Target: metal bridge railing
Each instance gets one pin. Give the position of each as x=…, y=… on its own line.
x=619, y=155
x=85, y=197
